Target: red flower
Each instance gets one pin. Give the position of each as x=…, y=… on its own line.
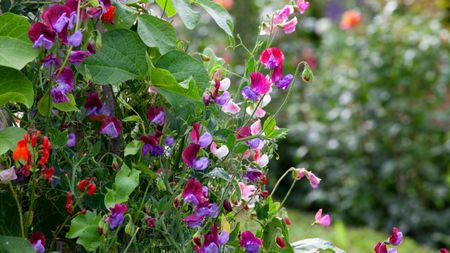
x=350, y=19
x=272, y=58
x=264, y=194
x=21, y=151
x=287, y=221
x=280, y=242
x=87, y=184
x=91, y=189
x=48, y=173
x=69, y=203
x=82, y=184
x=108, y=17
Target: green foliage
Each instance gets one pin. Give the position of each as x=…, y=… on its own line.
x=15, y=47
x=15, y=245
x=189, y=16
x=156, y=32
x=9, y=137
x=167, y=6
x=219, y=14
x=85, y=228
x=121, y=58
x=125, y=182
x=15, y=87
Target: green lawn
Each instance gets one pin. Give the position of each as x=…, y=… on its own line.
x=352, y=240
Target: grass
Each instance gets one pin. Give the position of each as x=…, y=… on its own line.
x=352, y=240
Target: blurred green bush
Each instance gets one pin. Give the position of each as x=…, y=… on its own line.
x=375, y=125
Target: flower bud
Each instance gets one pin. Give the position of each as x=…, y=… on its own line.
x=307, y=74
x=298, y=174
x=227, y=205
x=280, y=242
x=264, y=194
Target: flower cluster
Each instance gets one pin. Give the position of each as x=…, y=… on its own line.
x=395, y=239
x=281, y=18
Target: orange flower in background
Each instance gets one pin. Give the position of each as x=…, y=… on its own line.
x=108, y=17
x=350, y=19
x=227, y=4
x=21, y=151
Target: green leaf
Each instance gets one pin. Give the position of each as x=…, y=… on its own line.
x=15, y=245
x=45, y=105
x=262, y=211
x=132, y=148
x=16, y=49
x=166, y=5
x=132, y=118
x=315, y=244
x=218, y=173
x=174, y=93
x=219, y=14
x=15, y=87
x=85, y=227
x=189, y=16
x=269, y=125
x=70, y=106
x=183, y=66
x=58, y=138
x=9, y=138
x=156, y=32
x=121, y=58
x=125, y=182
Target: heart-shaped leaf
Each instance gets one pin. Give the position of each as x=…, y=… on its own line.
x=156, y=32
x=9, y=138
x=219, y=14
x=15, y=87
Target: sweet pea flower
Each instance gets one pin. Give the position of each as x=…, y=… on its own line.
x=151, y=145
x=193, y=192
x=225, y=84
x=396, y=237
x=51, y=61
x=263, y=161
x=250, y=242
x=253, y=175
x=57, y=17
x=231, y=108
x=247, y=191
x=443, y=250
x=156, y=115
x=323, y=221
x=169, y=141
x=392, y=250
x=71, y=140
x=75, y=39
x=94, y=106
x=111, y=126
x=289, y=27
x=116, y=218
x=272, y=58
x=255, y=128
x=259, y=85
x=380, y=247
x=193, y=221
x=37, y=240
x=302, y=6
x=207, y=210
x=313, y=179
x=219, y=152
x=77, y=57
x=41, y=36
x=213, y=240
x=284, y=82
x=8, y=175
x=259, y=113
x=223, y=99
x=282, y=15
x=189, y=156
x=205, y=140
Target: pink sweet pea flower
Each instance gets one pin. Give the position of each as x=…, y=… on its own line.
x=272, y=58
x=302, y=6
x=225, y=84
x=282, y=15
x=313, y=179
x=289, y=27
x=380, y=247
x=219, y=152
x=263, y=161
x=323, y=221
x=443, y=250
x=247, y=191
x=255, y=128
x=231, y=107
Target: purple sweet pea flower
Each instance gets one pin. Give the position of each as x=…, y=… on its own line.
x=71, y=140
x=111, y=126
x=72, y=20
x=77, y=57
x=396, y=237
x=392, y=250
x=38, y=247
x=37, y=240
x=51, y=61
x=57, y=17
x=207, y=210
x=253, y=175
x=151, y=145
x=190, y=153
x=169, y=141
x=201, y=163
x=250, y=242
x=41, y=36
x=8, y=175
x=75, y=39
x=65, y=79
x=254, y=143
x=284, y=82
x=248, y=93
x=223, y=99
x=205, y=140
x=94, y=106
x=193, y=221
x=156, y=115
x=117, y=216
x=193, y=192
x=59, y=95
x=223, y=237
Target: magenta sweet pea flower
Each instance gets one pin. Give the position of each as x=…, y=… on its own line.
x=289, y=27
x=51, y=61
x=94, y=106
x=213, y=240
x=193, y=192
x=443, y=250
x=193, y=221
x=250, y=242
x=111, y=126
x=302, y=6
x=65, y=79
x=59, y=95
x=380, y=247
x=396, y=237
x=259, y=83
x=194, y=135
x=41, y=36
x=37, y=240
x=116, y=218
x=323, y=221
x=190, y=153
x=77, y=57
x=156, y=115
x=253, y=175
x=151, y=145
x=272, y=58
x=57, y=17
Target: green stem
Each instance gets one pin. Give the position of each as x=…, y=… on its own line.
x=131, y=240
x=279, y=180
x=19, y=208
x=287, y=194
